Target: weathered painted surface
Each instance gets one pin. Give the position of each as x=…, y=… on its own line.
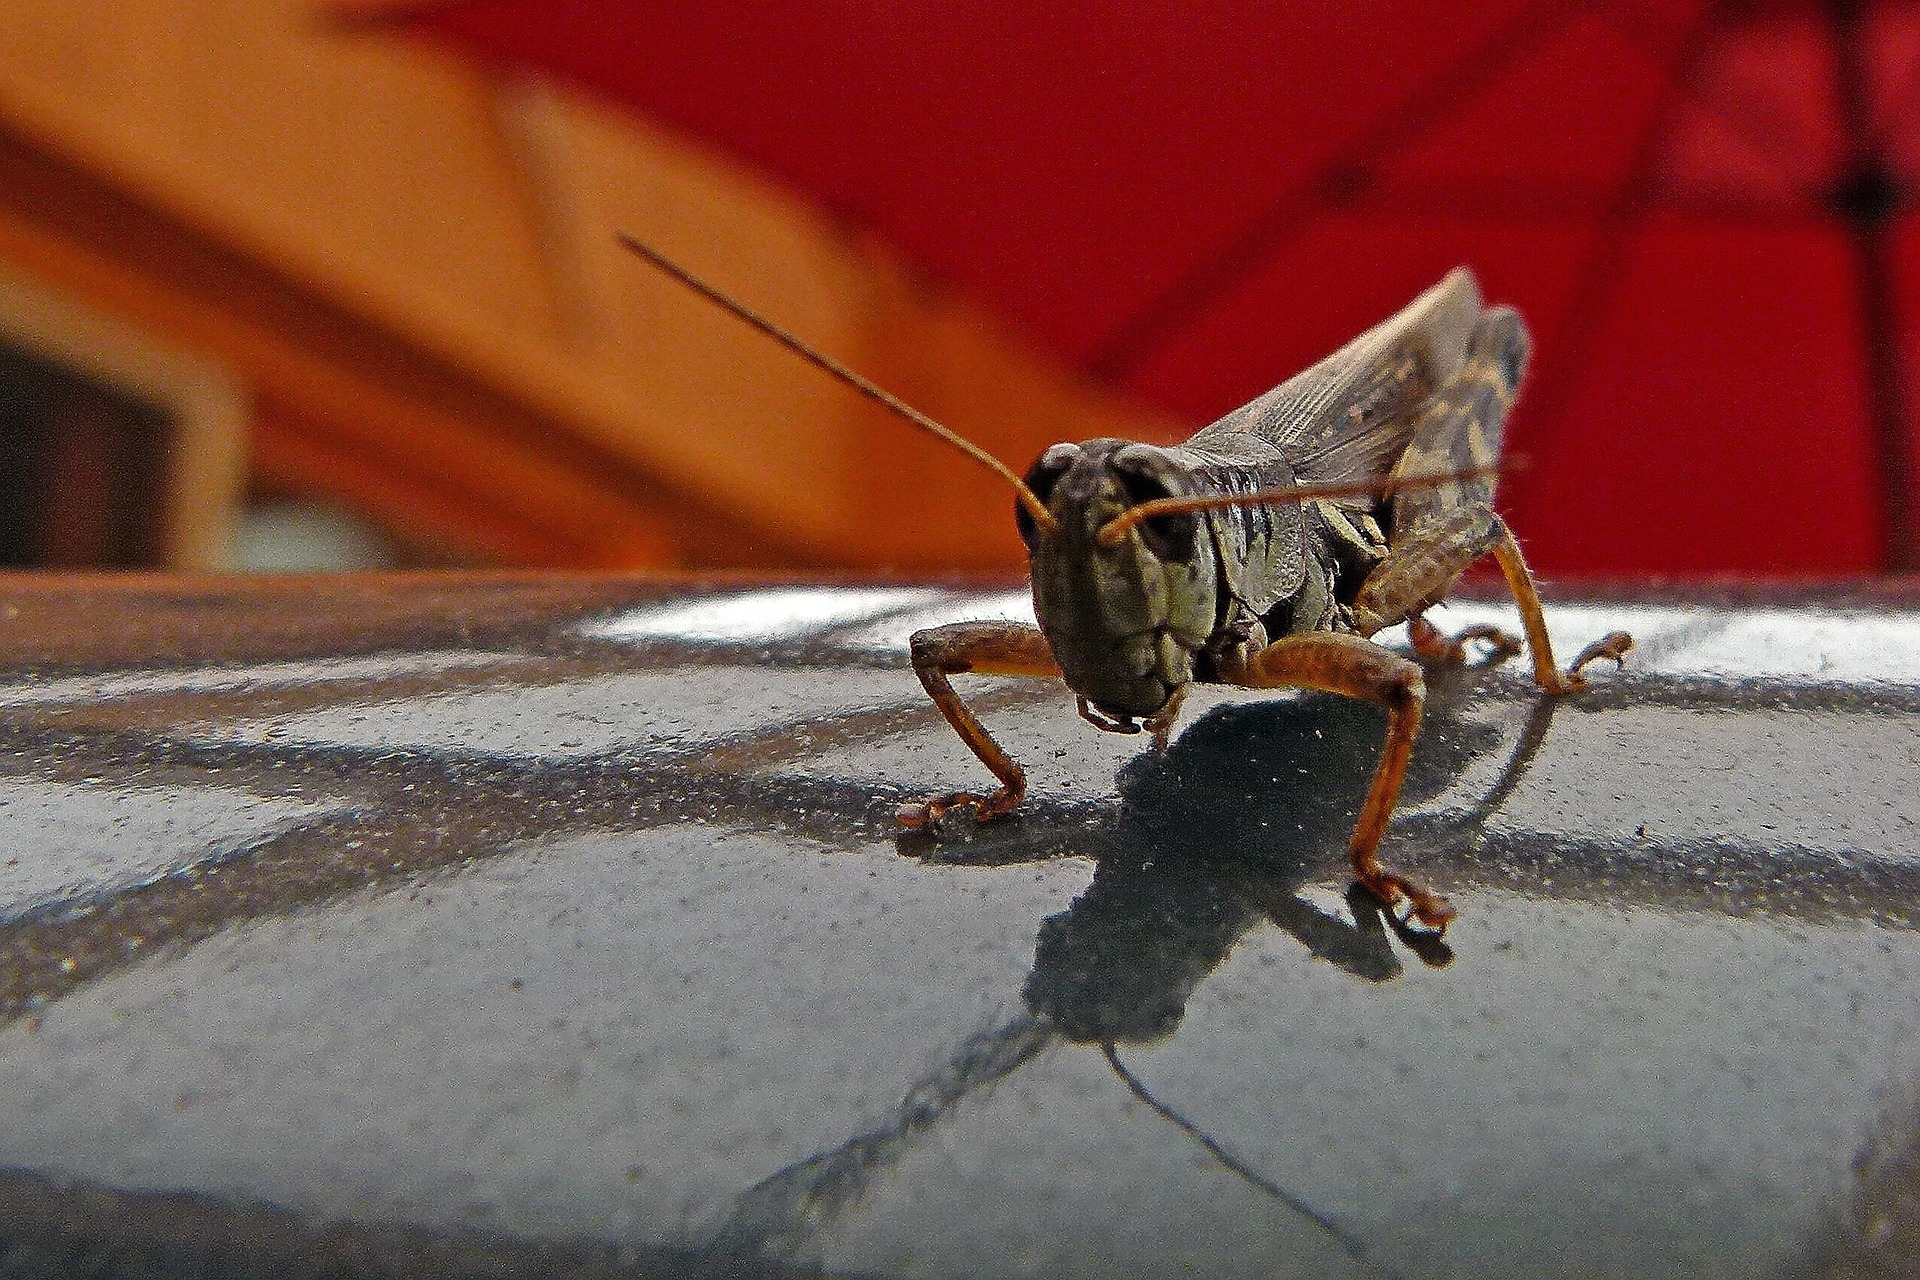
x=560, y=927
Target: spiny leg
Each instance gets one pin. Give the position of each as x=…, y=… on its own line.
x=1357, y=668
x=1438, y=531
x=1424, y=565
x=988, y=648
x=1614, y=644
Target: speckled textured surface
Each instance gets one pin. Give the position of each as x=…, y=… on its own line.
x=548, y=926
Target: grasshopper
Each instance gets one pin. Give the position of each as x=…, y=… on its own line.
x=1263, y=552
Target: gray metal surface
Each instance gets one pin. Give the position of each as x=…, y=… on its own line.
x=550, y=926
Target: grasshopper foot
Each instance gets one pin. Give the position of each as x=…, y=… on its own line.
x=927, y=814
x=1614, y=645
x=1430, y=909
x=1501, y=645
x=1160, y=723
x=1436, y=646
x=1372, y=915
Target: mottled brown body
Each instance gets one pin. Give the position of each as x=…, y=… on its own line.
x=1275, y=593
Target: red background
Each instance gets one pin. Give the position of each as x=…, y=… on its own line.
x=1195, y=202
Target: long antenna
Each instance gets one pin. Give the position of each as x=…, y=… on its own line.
x=1028, y=498
x=1115, y=529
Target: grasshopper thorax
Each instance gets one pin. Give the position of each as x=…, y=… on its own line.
x=1124, y=621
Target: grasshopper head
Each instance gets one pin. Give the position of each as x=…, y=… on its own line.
x=1123, y=621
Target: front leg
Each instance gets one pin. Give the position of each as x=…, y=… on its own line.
x=1356, y=668
x=987, y=648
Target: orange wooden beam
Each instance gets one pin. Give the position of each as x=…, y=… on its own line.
x=358, y=387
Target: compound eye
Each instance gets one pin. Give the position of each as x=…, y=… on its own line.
x=1041, y=478
x=1171, y=537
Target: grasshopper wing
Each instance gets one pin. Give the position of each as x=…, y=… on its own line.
x=1349, y=418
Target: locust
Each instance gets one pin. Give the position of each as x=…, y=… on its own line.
x=1264, y=552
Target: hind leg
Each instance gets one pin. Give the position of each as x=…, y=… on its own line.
x=1520, y=581
x=1438, y=530
x=1419, y=569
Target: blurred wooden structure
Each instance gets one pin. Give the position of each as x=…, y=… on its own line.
x=404, y=271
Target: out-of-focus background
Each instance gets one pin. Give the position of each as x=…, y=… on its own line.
x=289, y=284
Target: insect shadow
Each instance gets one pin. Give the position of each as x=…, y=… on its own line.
x=1211, y=840
x=1249, y=805
x=1215, y=838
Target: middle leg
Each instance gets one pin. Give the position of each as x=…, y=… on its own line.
x=1436, y=646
